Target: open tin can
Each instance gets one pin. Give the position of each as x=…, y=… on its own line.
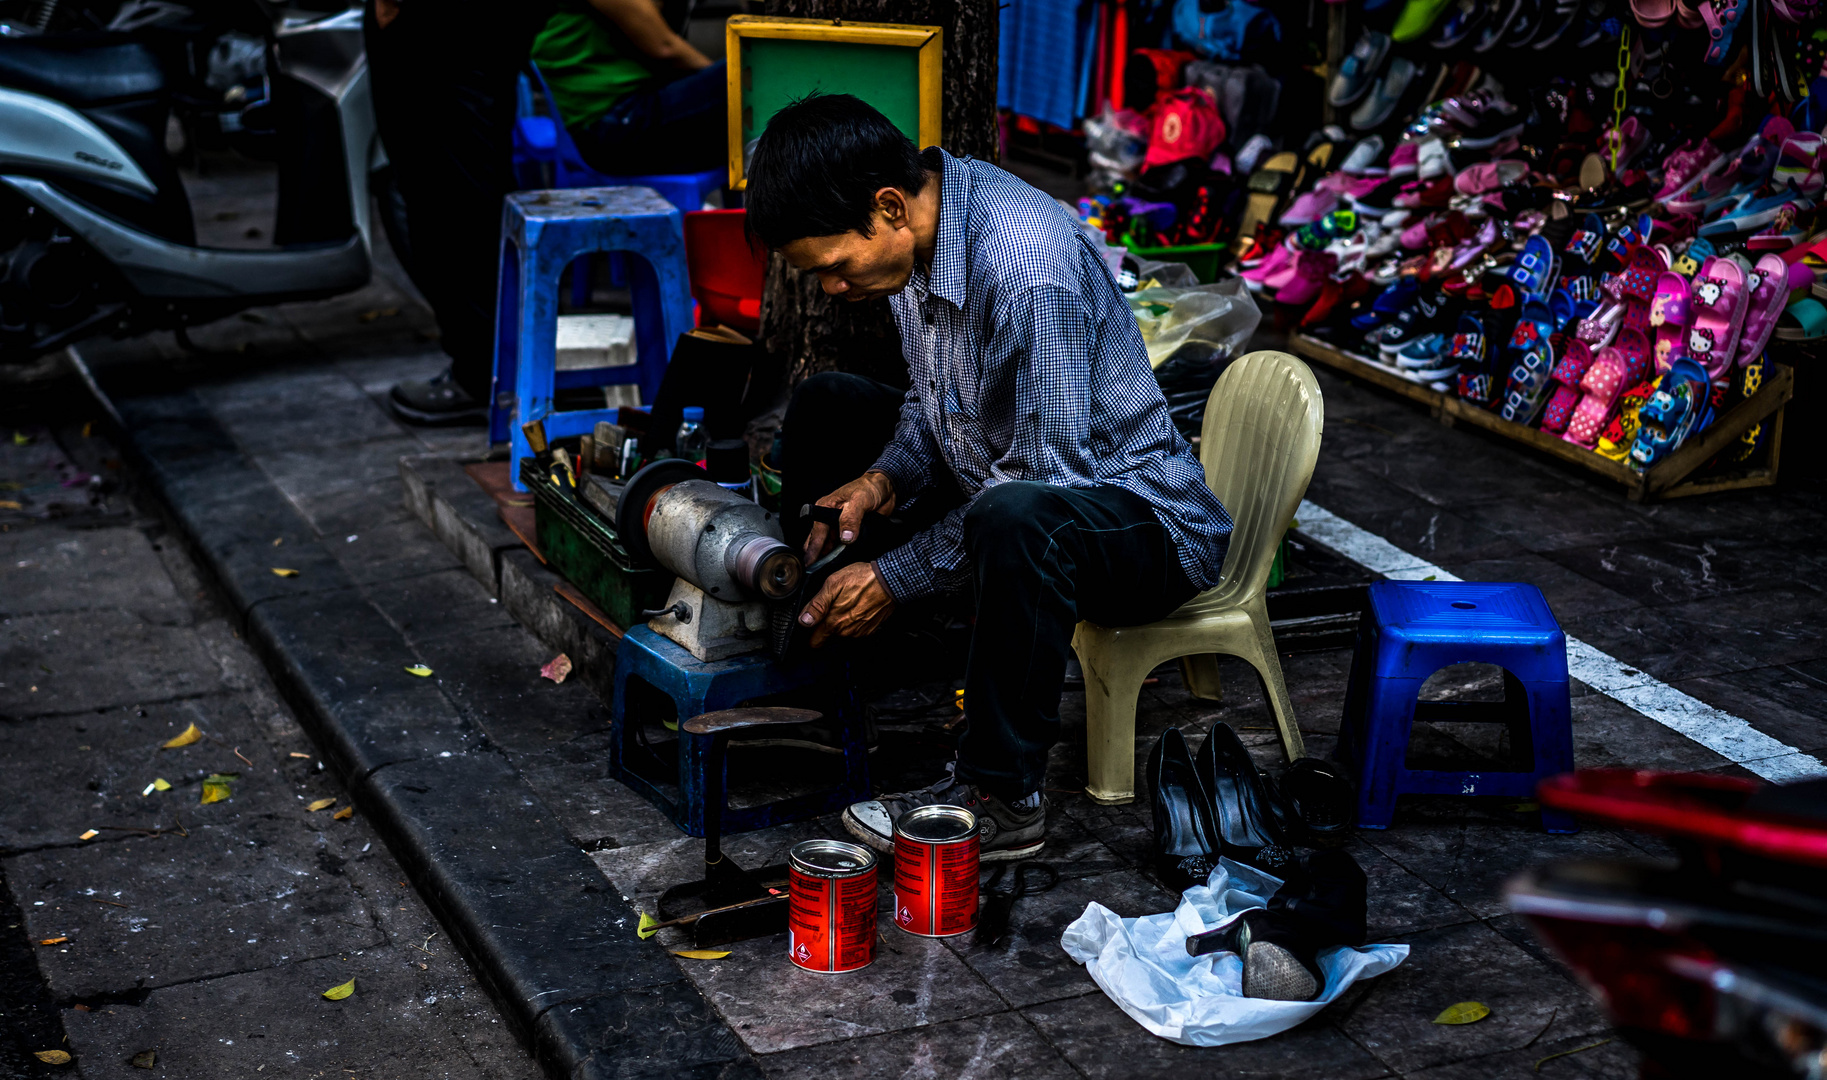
x=831, y=905
x=935, y=871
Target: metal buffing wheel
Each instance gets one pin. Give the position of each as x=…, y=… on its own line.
x=631, y=512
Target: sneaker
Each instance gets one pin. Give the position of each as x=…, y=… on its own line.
x=435, y=401
x=1004, y=833
x=1687, y=166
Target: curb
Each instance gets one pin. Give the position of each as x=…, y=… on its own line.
x=556, y=949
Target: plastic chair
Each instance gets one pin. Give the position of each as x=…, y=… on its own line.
x=726, y=271
x=541, y=233
x=1412, y=629
x=1259, y=444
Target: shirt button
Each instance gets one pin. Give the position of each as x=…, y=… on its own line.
x=932, y=384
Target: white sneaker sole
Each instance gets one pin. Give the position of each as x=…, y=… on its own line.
x=885, y=844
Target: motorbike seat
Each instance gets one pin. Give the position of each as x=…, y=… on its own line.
x=81, y=69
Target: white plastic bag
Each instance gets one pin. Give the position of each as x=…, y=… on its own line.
x=1198, y=1000
x=1221, y=315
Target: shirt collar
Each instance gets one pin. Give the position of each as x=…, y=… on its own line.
x=945, y=279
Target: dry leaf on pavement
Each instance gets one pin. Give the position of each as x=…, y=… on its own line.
x=701, y=954
x=1466, y=1012
x=344, y=814
x=284, y=572
x=54, y=941
x=337, y=993
x=145, y=1059
x=189, y=735
x=215, y=788
x=557, y=668
x=418, y=669
x=321, y=804
x=52, y=1057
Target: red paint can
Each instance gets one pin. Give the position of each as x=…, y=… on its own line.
x=935, y=871
x=831, y=905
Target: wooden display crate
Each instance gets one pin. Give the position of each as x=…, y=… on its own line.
x=1667, y=479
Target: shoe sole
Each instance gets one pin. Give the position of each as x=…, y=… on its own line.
x=479, y=414
x=1273, y=974
x=873, y=840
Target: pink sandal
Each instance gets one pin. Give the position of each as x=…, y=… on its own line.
x=1719, y=298
x=1668, y=315
x=1775, y=280
x=1602, y=382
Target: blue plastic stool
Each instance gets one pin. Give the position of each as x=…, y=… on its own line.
x=695, y=688
x=1412, y=629
x=541, y=232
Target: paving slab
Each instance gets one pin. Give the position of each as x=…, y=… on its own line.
x=1472, y=962
x=1584, y=1057
x=117, y=568
x=49, y=663
x=399, y=1022
x=1101, y=1041
x=1000, y=1046
x=209, y=903
x=1469, y=861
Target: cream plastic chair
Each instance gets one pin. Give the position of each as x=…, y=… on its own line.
x=1259, y=444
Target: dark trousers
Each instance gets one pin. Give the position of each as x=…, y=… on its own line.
x=443, y=77
x=677, y=127
x=1042, y=559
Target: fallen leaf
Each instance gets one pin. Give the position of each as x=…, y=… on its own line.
x=277, y=540
x=645, y=930
x=51, y=1057
x=700, y=954
x=557, y=668
x=1466, y=1012
x=54, y=941
x=145, y=1059
x=283, y=572
x=161, y=784
x=80, y=1007
x=189, y=735
x=344, y=814
x=87, y=427
x=215, y=789
x=321, y=804
x=295, y=753
x=20, y=438
x=418, y=669
x=90, y=835
x=11, y=504
x=337, y=993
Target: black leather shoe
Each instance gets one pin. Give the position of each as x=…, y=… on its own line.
x=1243, y=817
x=1277, y=964
x=1185, y=844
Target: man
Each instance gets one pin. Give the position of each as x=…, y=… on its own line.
x=637, y=98
x=443, y=76
x=1033, y=439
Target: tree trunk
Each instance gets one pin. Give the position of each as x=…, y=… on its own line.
x=804, y=330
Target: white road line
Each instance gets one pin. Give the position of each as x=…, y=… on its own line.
x=1731, y=737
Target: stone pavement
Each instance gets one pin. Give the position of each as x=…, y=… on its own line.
x=202, y=932
x=488, y=783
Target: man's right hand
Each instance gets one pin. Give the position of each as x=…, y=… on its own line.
x=869, y=493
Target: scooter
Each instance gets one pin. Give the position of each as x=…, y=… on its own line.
x=96, y=233
x=1714, y=963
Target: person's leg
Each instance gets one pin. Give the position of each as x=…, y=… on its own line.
x=444, y=102
x=1044, y=558
x=681, y=126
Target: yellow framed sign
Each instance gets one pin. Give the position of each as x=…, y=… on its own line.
x=771, y=62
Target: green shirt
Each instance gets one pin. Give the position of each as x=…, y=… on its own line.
x=588, y=63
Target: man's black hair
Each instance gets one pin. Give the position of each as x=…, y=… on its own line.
x=817, y=167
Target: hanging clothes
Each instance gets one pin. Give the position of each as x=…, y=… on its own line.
x=1044, y=59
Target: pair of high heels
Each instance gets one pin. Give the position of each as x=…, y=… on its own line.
x=1220, y=805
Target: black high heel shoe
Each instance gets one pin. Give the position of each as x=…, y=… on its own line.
x=1278, y=964
x=1243, y=817
x=1185, y=843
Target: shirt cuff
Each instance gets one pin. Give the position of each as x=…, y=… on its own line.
x=903, y=470
x=906, y=574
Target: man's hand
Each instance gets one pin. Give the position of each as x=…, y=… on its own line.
x=870, y=492
x=853, y=603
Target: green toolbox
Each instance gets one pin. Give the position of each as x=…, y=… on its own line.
x=578, y=543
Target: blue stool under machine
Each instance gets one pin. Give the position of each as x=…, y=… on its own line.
x=541, y=233
x=1412, y=629
x=697, y=687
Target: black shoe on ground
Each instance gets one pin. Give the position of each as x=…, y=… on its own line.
x=1278, y=964
x=1004, y=832
x=435, y=401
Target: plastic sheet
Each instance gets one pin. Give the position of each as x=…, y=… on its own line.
x=1221, y=316
x=1198, y=1001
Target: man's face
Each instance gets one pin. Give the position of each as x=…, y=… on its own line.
x=858, y=267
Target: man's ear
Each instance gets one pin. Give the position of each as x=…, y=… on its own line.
x=891, y=203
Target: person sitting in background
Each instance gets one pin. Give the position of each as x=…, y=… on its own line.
x=637, y=98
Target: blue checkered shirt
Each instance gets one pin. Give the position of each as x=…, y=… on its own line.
x=1026, y=364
